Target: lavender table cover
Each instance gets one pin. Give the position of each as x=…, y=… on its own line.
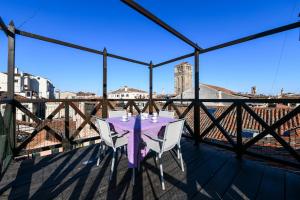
x=136, y=126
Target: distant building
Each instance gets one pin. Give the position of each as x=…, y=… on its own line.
x=128, y=93
x=182, y=77
x=210, y=92
x=29, y=85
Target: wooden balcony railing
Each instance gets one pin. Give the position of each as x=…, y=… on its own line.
x=222, y=122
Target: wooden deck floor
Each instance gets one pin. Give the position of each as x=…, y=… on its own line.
x=210, y=173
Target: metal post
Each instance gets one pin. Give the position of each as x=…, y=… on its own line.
x=66, y=140
x=196, y=105
x=10, y=112
x=239, y=129
x=150, y=87
x=104, y=86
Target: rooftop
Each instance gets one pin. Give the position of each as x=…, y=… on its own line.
x=210, y=173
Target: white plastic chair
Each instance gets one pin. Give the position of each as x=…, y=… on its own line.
x=165, y=113
x=111, y=139
x=116, y=113
x=171, y=138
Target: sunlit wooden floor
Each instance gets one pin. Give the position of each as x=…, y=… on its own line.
x=210, y=173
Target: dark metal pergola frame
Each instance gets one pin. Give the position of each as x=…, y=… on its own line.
x=11, y=32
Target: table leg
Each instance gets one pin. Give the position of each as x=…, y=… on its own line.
x=133, y=176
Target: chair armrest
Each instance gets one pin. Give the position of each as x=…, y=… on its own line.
x=153, y=137
x=114, y=134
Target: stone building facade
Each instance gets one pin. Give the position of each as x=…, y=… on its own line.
x=182, y=77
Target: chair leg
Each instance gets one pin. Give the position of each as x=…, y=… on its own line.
x=161, y=172
x=180, y=155
x=112, y=164
x=99, y=154
x=133, y=176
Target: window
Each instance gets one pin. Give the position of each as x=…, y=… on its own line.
x=122, y=95
x=127, y=95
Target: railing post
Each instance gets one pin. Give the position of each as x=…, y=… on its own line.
x=66, y=140
x=104, y=85
x=239, y=129
x=150, y=87
x=196, y=104
x=10, y=112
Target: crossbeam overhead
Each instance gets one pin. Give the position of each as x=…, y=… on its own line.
x=174, y=59
x=75, y=46
x=253, y=37
x=159, y=22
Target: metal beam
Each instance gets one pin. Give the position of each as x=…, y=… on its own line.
x=4, y=28
x=196, y=104
x=159, y=22
x=174, y=59
x=55, y=41
x=253, y=37
x=75, y=46
x=150, y=87
x=11, y=109
x=127, y=59
x=104, y=85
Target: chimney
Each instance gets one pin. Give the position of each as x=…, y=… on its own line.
x=125, y=88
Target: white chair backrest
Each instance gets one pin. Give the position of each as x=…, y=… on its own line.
x=165, y=113
x=116, y=113
x=173, y=134
x=105, y=133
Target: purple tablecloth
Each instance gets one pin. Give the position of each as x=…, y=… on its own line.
x=136, y=126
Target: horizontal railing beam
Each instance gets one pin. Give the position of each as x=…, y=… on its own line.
x=159, y=22
x=174, y=100
x=174, y=59
x=75, y=46
x=252, y=37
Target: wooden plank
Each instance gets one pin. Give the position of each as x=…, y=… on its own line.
x=155, y=106
x=217, y=124
x=246, y=184
x=196, y=177
x=145, y=107
x=292, y=185
x=87, y=119
x=222, y=116
x=207, y=171
x=272, y=185
x=187, y=110
x=136, y=107
x=270, y=130
x=221, y=181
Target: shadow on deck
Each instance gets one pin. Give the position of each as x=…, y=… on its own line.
x=210, y=173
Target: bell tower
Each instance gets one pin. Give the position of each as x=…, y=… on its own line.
x=182, y=77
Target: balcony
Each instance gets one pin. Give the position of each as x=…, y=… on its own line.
x=232, y=148
x=59, y=158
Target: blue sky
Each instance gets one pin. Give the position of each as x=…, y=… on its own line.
x=270, y=63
